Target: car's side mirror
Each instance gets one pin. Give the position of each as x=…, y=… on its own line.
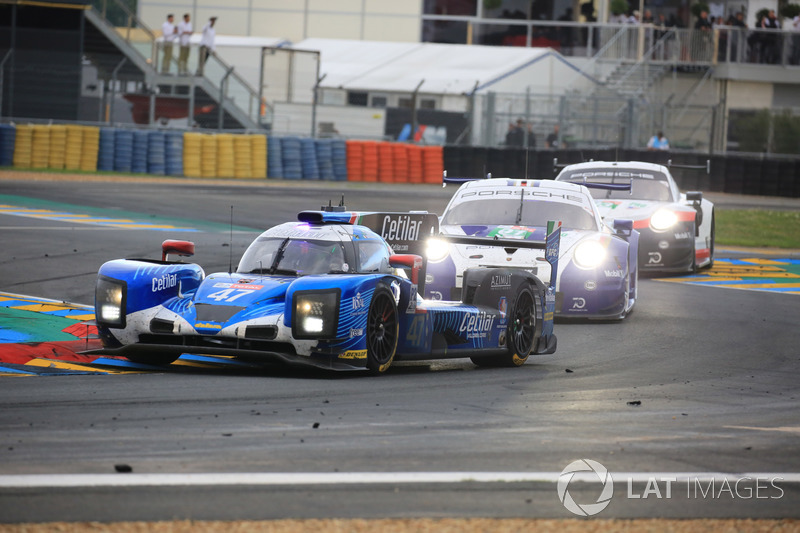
x=414, y=262
x=623, y=228
x=694, y=196
x=182, y=248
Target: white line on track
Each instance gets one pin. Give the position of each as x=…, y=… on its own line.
x=364, y=478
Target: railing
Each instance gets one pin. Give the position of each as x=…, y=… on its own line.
x=151, y=46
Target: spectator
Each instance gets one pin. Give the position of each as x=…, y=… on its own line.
x=552, y=139
x=515, y=135
x=701, y=38
x=770, y=52
x=658, y=142
x=170, y=33
x=207, y=45
x=531, y=141
x=184, y=35
x=796, y=40
x=648, y=17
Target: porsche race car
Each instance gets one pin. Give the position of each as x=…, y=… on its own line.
x=597, y=270
x=676, y=229
x=326, y=291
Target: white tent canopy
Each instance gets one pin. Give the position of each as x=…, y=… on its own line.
x=445, y=68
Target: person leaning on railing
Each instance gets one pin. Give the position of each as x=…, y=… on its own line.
x=170, y=33
x=207, y=45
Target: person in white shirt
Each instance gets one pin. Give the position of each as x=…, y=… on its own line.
x=170, y=33
x=184, y=34
x=206, y=44
x=796, y=40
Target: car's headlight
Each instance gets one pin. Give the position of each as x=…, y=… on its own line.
x=589, y=254
x=109, y=302
x=316, y=314
x=663, y=219
x=436, y=249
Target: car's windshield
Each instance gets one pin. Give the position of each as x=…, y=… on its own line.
x=506, y=211
x=301, y=257
x=645, y=184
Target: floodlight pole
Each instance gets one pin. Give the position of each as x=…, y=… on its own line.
x=314, y=106
x=414, y=120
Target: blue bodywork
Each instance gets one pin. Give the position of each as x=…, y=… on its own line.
x=153, y=311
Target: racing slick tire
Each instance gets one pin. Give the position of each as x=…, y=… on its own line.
x=521, y=333
x=383, y=330
x=710, y=264
x=152, y=358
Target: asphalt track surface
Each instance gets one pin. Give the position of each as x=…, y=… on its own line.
x=699, y=385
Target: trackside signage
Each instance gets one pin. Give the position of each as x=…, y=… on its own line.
x=585, y=487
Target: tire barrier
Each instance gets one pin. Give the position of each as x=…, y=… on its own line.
x=292, y=160
x=123, y=150
x=208, y=156
x=225, y=156
x=308, y=159
x=139, y=153
x=415, y=169
x=258, y=154
x=58, y=147
x=355, y=160
x=173, y=153
x=40, y=149
x=275, y=159
x=8, y=137
x=400, y=162
x=339, y=159
x=73, y=147
x=192, y=150
x=156, y=153
x=385, y=163
x=324, y=149
x=370, y=158
x=242, y=156
x=105, y=151
x=432, y=164
x=23, y=146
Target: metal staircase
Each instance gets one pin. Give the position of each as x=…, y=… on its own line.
x=218, y=99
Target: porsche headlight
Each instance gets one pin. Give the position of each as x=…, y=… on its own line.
x=436, y=250
x=663, y=219
x=316, y=314
x=109, y=302
x=589, y=254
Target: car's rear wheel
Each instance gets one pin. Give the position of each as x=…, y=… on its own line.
x=152, y=358
x=520, y=335
x=382, y=331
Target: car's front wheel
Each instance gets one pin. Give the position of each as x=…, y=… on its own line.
x=382, y=331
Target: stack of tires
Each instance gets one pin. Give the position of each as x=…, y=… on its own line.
x=225, y=156
x=275, y=157
x=355, y=160
x=123, y=150
x=58, y=147
x=325, y=159
x=339, y=159
x=90, y=146
x=243, y=156
x=208, y=156
x=258, y=155
x=173, y=153
x=156, y=153
x=73, y=146
x=40, y=149
x=23, y=146
x=192, y=154
x=291, y=157
x=139, y=153
x=308, y=159
x=8, y=137
x=105, y=150
x=370, y=158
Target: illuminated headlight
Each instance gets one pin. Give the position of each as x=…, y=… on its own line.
x=436, y=250
x=316, y=314
x=109, y=302
x=589, y=254
x=663, y=219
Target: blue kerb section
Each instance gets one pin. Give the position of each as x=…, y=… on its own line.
x=123, y=363
x=759, y=281
x=12, y=370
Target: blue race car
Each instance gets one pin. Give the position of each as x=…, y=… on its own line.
x=326, y=291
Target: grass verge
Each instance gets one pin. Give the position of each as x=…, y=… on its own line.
x=758, y=227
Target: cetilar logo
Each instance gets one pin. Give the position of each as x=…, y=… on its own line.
x=596, y=470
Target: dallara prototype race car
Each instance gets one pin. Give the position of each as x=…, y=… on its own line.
x=325, y=291
x=597, y=270
x=676, y=229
